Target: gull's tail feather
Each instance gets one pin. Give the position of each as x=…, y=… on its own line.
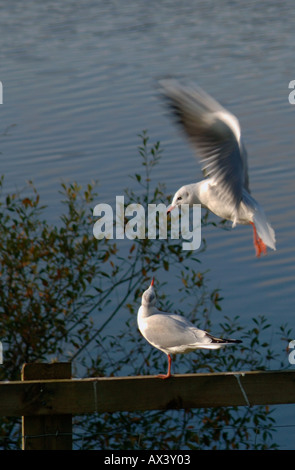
x=217, y=343
x=264, y=229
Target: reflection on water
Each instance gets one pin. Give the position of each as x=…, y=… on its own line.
x=79, y=85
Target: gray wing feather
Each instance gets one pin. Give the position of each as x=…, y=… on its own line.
x=171, y=331
x=208, y=126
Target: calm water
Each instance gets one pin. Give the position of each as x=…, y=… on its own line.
x=79, y=85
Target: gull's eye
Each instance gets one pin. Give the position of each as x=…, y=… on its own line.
x=179, y=198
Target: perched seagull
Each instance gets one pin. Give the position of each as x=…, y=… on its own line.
x=216, y=136
x=172, y=333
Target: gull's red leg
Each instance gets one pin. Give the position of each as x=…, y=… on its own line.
x=260, y=246
x=166, y=376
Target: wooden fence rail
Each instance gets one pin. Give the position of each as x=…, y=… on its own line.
x=47, y=396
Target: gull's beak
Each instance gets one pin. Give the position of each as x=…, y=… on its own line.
x=152, y=283
x=170, y=209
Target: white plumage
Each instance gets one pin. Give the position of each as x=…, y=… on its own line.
x=216, y=137
x=171, y=333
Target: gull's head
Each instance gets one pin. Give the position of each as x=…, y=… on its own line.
x=185, y=195
x=149, y=298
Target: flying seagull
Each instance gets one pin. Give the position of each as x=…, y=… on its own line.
x=215, y=134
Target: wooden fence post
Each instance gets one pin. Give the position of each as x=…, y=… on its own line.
x=53, y=432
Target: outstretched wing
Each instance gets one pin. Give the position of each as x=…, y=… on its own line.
x=216, y=135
